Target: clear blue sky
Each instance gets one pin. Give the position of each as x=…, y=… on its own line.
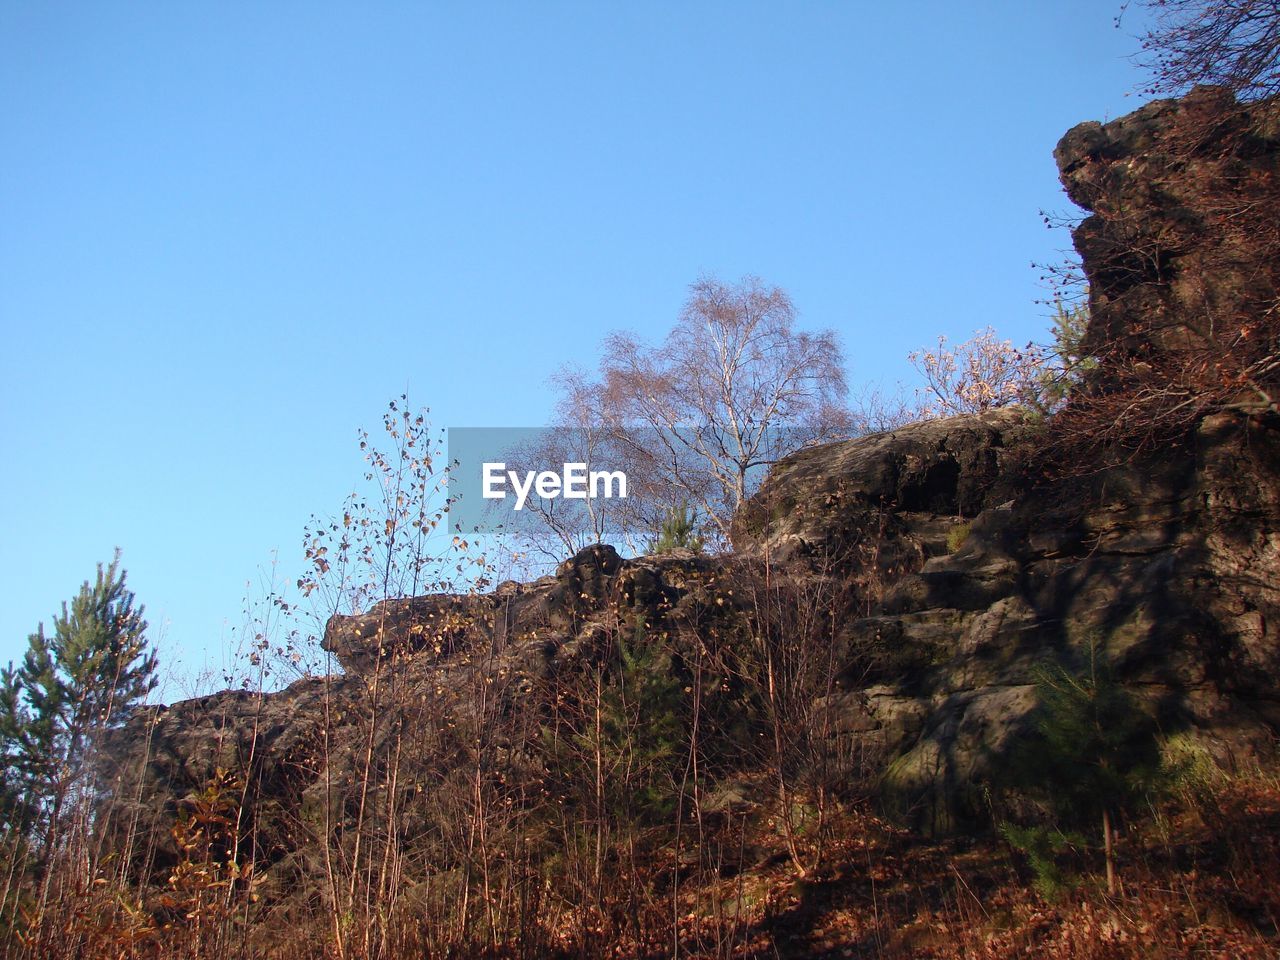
x=230, y=232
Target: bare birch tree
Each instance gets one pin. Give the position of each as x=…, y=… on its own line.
x=733, y=388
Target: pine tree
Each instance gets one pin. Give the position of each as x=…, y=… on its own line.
x=71, y=685
x=1071, y=364
x=644, y=727
x=1093, y=757
x=678, y=531
x=15, y=721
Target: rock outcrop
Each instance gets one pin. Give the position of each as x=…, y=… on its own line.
x=1169, y=569
x=967, y=571
x=417, y=673
x=907, y=487
x=1182, y=240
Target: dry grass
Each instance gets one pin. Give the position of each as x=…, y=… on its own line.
x=1200, y=879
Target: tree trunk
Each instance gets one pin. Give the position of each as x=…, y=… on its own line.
x=1110, y=852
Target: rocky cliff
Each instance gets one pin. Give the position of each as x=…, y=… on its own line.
x=965, y=569
x=1169, y=568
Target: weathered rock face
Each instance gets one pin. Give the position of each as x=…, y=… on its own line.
x=1170, y=570
x=439, y=626
x=965, y=576
x=1167, y=564
x=424, y=677
x=902, y=490
x=1182, y=242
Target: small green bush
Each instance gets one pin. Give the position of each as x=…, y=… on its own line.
x=1093, y=756
x=957, y=536
x=1044, y=848
x=1188, y=767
